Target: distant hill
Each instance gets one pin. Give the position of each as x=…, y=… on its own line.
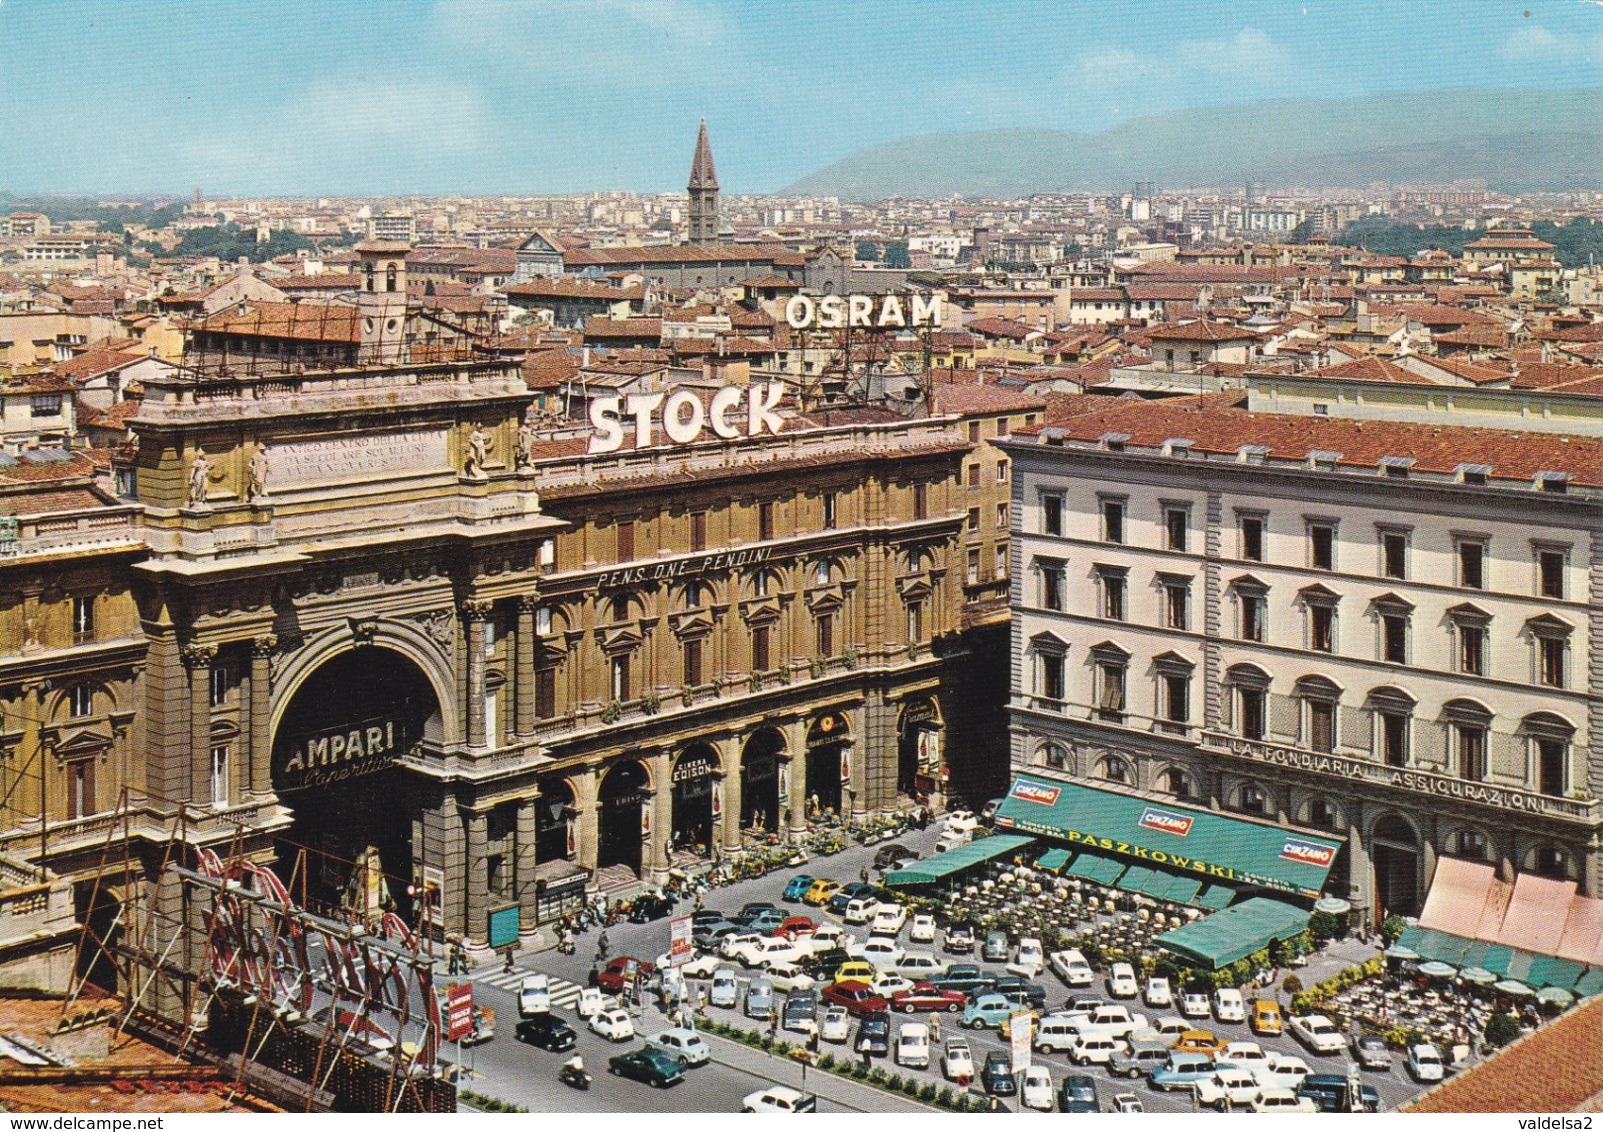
x=1513, y=140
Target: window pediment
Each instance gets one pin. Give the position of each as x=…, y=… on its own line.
x=1318, y=594
x=1392, y=603
x=1110, y=652
x=1469, y=612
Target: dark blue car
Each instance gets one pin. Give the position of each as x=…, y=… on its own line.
x=845, y=896
x=797, y=888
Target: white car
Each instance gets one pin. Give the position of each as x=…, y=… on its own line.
x=1158, y=992
x=725, y=989
x=1036, y=1089
x=1126, y=1102
x=923, y=929
x=778, y=1098
x=958, y=1061
x=1227, y=1088
x=615, y=1025
x=963, y=821
x=1245, y=1055
x=1071, y=967
x=734, y=940
x=1121, y=981
x=534, y=996
x=881, y=952
x=913, y=1045
x=1425, y=1063
x=683, y=1045
x=1228, y=1005
x=1194, y=1004
x=887, y=983
x=1095, y=1049
x=1279, y=1099
x=827, y=937
x=836, y=1026
x=861, y=910
x=1282, y=1071
x=701, y=967
x=888, y=920
x=590, y=1001
x=1029, y=959
x=1317, y=1033
x=788, y=977
x=768, y=951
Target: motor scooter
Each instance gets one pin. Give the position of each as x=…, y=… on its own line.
x=574, y=1078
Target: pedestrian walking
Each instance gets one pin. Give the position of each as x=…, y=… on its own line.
x=601, y=944
x=510, y=965
x=594, y=979
x=863, y=875
x=935, y=1029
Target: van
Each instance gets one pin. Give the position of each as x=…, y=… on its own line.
x=1094, y=1049
x=760, y=1000
x=861, y=909
x=1056, y=1033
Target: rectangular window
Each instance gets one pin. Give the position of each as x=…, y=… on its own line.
x=1322, y=546
x=1394, y=738
x=824, y=634
x=829, y=510
x=1252, y=713
x=1177, y=602
x=1001, y=516
x=1052, y=676
x=545, y=693
x=1001, y=471
x=1472, y=650
x=1551, y=652
x=1550, y=574
x=83, y=620
x=698, y=530
x=974, y=432
x=1001, y=426
x=220, y=683
x=1112, y=596
x=1176, y=702
x=759, y=649
x=620, y=677
x=1110, y=698
x=915, y=622
x=1472, y=564
x=765, y=521
x=80, y=701
x=1321, y=725
x=1394, y=554
x=1112, y=520
x=1175, y=521
x=1253, y=610
x=973, y=518
x=626, y=540
x=1001, y=561
x=692, y=651
x=219, y=776
x=1471, y=751
x=1252, y=538
x=973, y=473
x=45, y=405
x=1551, y=757
x=81, y=788
x=973, y=576
x=1394, y=638
x=1052, y=587
x=1321, y=628
x=1051, y=514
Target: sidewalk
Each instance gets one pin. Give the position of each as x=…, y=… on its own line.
x=849, y=1094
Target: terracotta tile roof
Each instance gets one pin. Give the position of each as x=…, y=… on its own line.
x=1434, y=314
x=1483, y=372
x=599, y=326
x=965, y=398
x=1164, y=292
x=93, y=363
x=1096, y=295
x=1000, y=328
x=1554, y=1069
x=327, y=281
x=774, y=281
x=548, y=369
x=26, y=467
x=1494, y=337
x=727, y=345
x=1513, y=456
x=50, y=501
x=315, y=322
x=1202, y=330
x=1369, y=368
x=575, y=289
x=662, y=254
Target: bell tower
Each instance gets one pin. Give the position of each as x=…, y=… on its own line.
x=703, y=189
x=382, y=300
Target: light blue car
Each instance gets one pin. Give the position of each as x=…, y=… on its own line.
x=1184, y=1070
x=987, y=1010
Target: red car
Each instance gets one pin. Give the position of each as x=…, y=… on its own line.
x=928, y=996
x=855, y=997
x=619, y=974
x=795, y=927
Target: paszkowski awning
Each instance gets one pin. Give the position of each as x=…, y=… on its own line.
x=954, y=861
x=1179, y=838
x=1235, y=933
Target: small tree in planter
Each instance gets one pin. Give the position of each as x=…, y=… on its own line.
x=1501, y=1028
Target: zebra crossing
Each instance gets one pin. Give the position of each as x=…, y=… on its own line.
x=563, y=993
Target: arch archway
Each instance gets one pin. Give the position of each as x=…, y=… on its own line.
x=759, y=780
x=692, y=777
x=1397, y=864
x=620, y=802
x=828, y=762
x=338, y=734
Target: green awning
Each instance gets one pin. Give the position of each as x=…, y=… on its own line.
x=1475, y=954
x=1519, y=966
x=1053, y=860
x=1551, y=971
x=1086, y=865
x=1497, y=958
x=1238, y=931
x=1169, y=836
x=1590, y=983
x=1216, y=897
x=1106, y=870
x=1443, y=947
x=1182, y=890
x=954, y=861
x=1134, y=878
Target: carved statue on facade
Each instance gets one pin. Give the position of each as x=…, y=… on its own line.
x=199, y=477
x=479, y=445
x=528, y=435
x=256, y=474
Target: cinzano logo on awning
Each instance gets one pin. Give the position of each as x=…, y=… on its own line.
x=1031, y=792
x=1308, y=853
x=1165, y=822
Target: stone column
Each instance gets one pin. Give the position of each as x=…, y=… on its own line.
x=524, y=859
x=528, y=646
x=199, y=660
x=661, y=802
x=798, y=795
x=478, y=879
x=261, y=690
x=585, y=787
x=476, y=613
x=732, y=803
x=1360, y=869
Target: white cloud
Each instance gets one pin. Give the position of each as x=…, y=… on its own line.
x=1250, y=53
x=1533, y=43
x=1113, y=66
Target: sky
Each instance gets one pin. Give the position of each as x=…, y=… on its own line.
x=329, y=97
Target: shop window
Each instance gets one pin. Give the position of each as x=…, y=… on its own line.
x=1252, y=800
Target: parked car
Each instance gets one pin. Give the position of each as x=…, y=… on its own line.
x=1248, y=1055
x=725, y=989
x=534, y=996
x=861, y=909
x=1077, y=1093
x=796, y=928
x=827, y=936
x=996, y=946
x=892, y=855
x=797, y=888
x=824, y=965
x=855, y=970
x=1331, y=1092
x=767, y=920
x=590, y=1000
x=836, y=1026
x=768, y=951
x=927, y=996
x=960, y=821
x=1279, y=1099
x=739, y=939
x=1194, y=1004
x=855, y=998
x=874, y=1035
x=957, y=1064
x=546, y=1031
x=1225, y=1089
x=819, y=892
x=987, y=1010
x=1157, y=993
x=1126, y=1102
x=996, y=1077
x=621, y=972
x=1122, y=982
x=988, y=812
x=1071, y=967
x=965, y=977
x=1228, y=1005
x=1317, y=1033
x=1094, y=1049
x=1021, y=991
x=959, y=939
x=1138, y=1060
x=1425, y=1063
x=648, y=1065
x=788, y=977
x=889, y=920
x=701, y=967
x=1283, y=1071
x=644, y=909
x=778, y=1098
x=880, y=950
x=1029, y=958
x=708, y=936
x=760, y=1000
x=1113, y=1021
x=800, y=1014
x=1198, y=1041
x=1265, y=1018
x=845, y=894
x=918, y=965
x=1370, y=1051
x=923, y=929
x=1035, y=1091
x=683, y=1045
x=1183, y=1071
x=613, y=1024
x=750, y=910
x=913, y=1045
